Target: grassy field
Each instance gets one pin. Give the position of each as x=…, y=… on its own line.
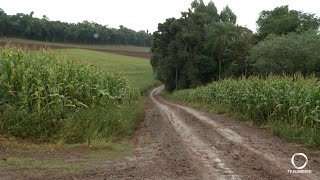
x=31, y=160
x=289, y=107
x=137, y=70
x=113, y=47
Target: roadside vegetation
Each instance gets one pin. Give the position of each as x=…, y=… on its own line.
x=269, y=77
x=289, y=106
x=74, y=107
x=45, y=98
x=22, y=159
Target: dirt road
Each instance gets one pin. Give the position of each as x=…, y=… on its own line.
x=179, y=142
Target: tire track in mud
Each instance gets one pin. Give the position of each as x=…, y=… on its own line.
x=178, y=142
x=191, y=125
x=205, y=153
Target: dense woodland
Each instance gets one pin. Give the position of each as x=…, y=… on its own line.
x=29, y=27
x=204, y=45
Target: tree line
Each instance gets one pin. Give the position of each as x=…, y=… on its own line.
x=29, y=27
x=204, y=45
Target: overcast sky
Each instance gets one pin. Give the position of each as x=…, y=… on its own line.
x=144, y=14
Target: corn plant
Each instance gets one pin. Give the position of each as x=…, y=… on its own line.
x=293, y=100
x=40, y=94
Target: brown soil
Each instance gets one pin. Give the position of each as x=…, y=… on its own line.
x=179, y=142
x=145, y=55
x=238, y=151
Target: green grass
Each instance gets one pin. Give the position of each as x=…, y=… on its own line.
x=302, y=135
x=66, y=159
x=288, y=107
x=137, y=70
x=113, y=47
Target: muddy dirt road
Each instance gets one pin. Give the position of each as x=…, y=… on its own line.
x=179, y=142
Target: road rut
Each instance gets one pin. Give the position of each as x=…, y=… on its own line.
x=179, y=142
x=225, y=153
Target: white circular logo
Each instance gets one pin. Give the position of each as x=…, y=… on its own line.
x=299, y=154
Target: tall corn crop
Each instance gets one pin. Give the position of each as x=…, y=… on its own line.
x=293, y=100
x=40, y=95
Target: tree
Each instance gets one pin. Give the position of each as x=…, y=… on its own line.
x=288, y=54
x=227, y=16
x=27, y=26
x=212, y=11
x=190, y=51
x=164, y=65
x=237, y=63
x=281, y=21
x=3, y=22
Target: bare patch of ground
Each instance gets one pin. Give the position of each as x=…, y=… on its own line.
x=139, y=54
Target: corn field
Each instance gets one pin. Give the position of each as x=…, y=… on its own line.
x=291, y=100
x=41, y=95
x=288, y=106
